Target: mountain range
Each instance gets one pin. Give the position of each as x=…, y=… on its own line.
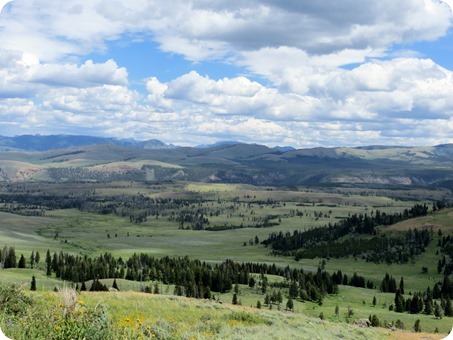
x=84, y=158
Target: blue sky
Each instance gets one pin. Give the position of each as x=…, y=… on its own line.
x=191, y=72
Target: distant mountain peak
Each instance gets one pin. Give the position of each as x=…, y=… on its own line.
x=217, y=144
x=49, y=142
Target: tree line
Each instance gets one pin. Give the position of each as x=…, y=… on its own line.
x=192, y=278
x=324, y=241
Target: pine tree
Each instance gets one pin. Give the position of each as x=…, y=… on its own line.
x=374, y=300
x=115, y=285
x=402, y=285
x=48, y=263
x=258, y=304
x=428, y=307
x=417, y=327
x=10, y=258
x=267, y=299
x=448, y=308
x=236, y=288
x=37, y=257
x=374, y=321
x=437, y=310
x=32, y=259
x=414, y=305
x=156, y=288
x=399, y=302
x=290, y=304
x=33, y=283
x=436, y=291
x=293, y=291
x=21, y=263
x=235, y=299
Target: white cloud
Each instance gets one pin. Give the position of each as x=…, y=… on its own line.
x=204, y=29
x=72, y=75
x=22, y=75
x=295, y=48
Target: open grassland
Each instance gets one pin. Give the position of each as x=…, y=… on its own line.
x=442, y=220
x=359, y=300
x=243, y=206
x=415, y=278
x=237, y=206
x=138, y=315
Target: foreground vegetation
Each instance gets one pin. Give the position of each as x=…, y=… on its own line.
x=67, y=314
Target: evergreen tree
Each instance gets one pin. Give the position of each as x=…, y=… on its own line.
x=290, y=304
x=264, y=285
x=374, y=300
x=345, y=280
x=115, y=285
x=436, y=291
x=10, y=258
x=97, y=286
x=33, y=283
x=402, y=285
x=437, y=310
x=293, y=291
x=236, y=288
x=21, y=263
x=414, y=306
x=235, y=299
x=417, y=327
x=48, y=263
x=447, y=288
x=37, y=257
x=32, y=259
x=156, y=288
x=83, y=288
x=399, y=302
x=267, y=299
x=374, y=321
x=448, y=308
x=428, y=307
x=258, y=304
x=337, y=310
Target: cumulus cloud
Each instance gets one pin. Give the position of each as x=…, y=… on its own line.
x=22, y=75
x=84, y=75
x=295, y=88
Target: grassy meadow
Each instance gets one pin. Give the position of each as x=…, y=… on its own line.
x=76, y=232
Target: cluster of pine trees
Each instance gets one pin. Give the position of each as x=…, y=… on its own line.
x=375, y=249
x=8, y=258
x=356, y=280
x=324, y=241
x=191, y=278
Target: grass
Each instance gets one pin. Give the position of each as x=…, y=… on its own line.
x=132, y=315
x=169, y=317
x=442, y=220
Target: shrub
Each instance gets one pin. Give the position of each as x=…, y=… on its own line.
x=12, y=300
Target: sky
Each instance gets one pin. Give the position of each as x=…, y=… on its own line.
x=187, y=72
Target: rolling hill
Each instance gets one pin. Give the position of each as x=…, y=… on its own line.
x=81, y=158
